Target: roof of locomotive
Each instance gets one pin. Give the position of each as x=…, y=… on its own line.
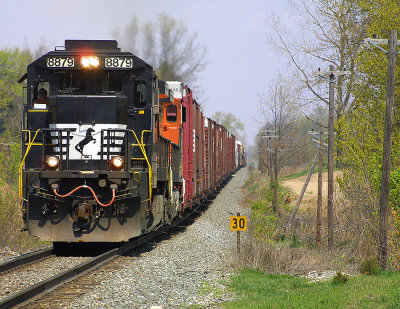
x=88, y=47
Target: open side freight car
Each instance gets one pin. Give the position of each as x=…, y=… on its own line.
x=109, y=151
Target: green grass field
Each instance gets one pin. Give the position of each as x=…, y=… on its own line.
x=257, y=290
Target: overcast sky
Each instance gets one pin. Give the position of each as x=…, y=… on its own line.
x=240, y=63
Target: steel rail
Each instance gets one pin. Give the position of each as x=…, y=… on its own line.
x=25, y=259
x=25, y=295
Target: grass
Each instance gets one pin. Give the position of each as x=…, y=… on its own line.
x=257, y=290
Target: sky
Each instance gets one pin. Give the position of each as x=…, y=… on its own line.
x=240, y=64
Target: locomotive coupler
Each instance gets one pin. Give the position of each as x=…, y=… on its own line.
x=82, y=212
x=82, y=216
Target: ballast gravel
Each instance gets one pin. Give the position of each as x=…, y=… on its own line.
x=182, y=271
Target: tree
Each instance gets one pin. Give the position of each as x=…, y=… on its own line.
x=13, y=64
x=280, y=111
x=363, y=131
x=231, y=123
x=335, y=29
x=166, y=44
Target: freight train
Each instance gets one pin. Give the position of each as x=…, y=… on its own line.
x=110, y=152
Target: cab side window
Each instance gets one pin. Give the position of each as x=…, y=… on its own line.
x=40, y=96
x=171, y=113
x=140, y=94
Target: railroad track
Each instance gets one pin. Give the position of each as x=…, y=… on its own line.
x=25, y=259
x=37, y=290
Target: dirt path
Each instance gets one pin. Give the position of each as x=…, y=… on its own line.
x=310, y=197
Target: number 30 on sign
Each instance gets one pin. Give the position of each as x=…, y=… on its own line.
x=238, y=223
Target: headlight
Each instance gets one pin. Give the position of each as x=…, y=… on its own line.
x=52, y=162
x=89, y=62
x=117, y=162
x=94, y=61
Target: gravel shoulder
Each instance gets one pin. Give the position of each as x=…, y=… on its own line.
x=182, y=271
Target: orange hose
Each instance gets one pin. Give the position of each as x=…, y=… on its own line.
x=91, y=190
x=103, y=205
x=68, y=194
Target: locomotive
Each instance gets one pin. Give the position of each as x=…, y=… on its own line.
x=110, y=152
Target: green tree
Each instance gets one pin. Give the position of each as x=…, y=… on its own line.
x=363, y=129
x=13, y=64
x=231, y=123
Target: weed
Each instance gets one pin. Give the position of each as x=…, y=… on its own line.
x=340, y=278
x=295, y=243
x=370, y=266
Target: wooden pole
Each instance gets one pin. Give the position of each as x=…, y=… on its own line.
x=387, y=148
x=319, y=202
x=303, y=190
x=270, y=162
x=238, y=238
x=275, y=201
x=330, y=158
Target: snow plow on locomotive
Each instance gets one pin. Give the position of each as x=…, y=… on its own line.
x=109, y=151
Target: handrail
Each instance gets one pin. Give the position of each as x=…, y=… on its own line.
x=23, y=162
x=148, y=163
x=141, y=146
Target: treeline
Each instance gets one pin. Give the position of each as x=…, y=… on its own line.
x=13, y=64
x=333, y=33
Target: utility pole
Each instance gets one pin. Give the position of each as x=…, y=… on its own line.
x=319, y=201
x=331, y=133
x=387, y=146
x=269, y=135
x=330, y=75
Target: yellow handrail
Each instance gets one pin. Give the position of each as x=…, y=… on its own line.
x=21, y=166
x=141, y=146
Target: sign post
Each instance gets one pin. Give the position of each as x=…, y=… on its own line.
x=238, y=223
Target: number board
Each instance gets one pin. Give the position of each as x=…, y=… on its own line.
x=118, y=62
x=60, y=62
x=238, y=223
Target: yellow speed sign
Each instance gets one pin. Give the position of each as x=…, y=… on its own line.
x=238, y=223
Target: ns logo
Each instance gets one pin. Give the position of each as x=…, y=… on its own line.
x=86, y=140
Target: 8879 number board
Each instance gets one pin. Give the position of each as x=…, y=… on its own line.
x=118, y=62
x=60, y=62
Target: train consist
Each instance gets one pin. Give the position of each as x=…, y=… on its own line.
x=109, y=151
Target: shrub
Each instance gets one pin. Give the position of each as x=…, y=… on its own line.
x=370, y=266
x=340, y=278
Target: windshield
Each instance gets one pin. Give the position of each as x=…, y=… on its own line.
x=91, y=83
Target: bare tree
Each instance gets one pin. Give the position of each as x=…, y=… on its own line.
x=279, y=108
x=166, y=44
x=333, y=32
